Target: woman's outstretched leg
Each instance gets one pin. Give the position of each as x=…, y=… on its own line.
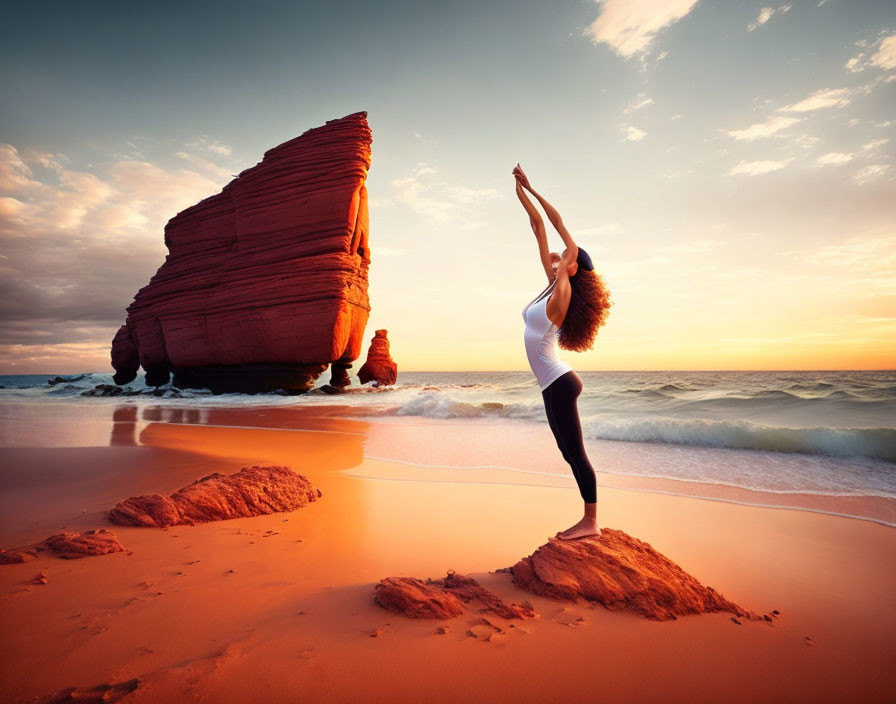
x=561, y=406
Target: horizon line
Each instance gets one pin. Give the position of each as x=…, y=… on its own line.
x=519, y=371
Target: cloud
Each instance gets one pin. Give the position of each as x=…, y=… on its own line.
x=834, y=158
x=764, y=129
x=819, y=100
x=806, y=141
x=870, y=255
x=765, y=14
x=437, y=201
x=471, y=196
x=633, y=134
x=15, y=174
x=205, y=164
x=756, y=168
x=641, y=101
x=60, y=356
x=78, y=244
x=884, y=58
x=870, y=173
x=874, y=144
x=825, y=98
x=629, y=27
x=212, y=145
x=855, y=63
x=54, y=162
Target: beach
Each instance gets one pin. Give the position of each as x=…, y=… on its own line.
x=280, y=607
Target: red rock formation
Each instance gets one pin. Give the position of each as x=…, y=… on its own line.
x=101, y=694
x=442, y=598
x=265, y=283
x=12, y=556
x=468, y=588
x=67, y=545
x=417, y=599
x=621, y=573
x=379, y=366
x=253, y=491
x=71, y=546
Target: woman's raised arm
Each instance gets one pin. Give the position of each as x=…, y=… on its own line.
x=537, y=223
x=556, y=221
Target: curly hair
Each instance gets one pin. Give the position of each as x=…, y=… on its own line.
x=589, y=306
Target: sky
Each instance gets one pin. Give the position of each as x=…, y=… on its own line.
x=728, y=165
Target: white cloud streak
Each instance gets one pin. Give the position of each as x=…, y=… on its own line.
x=824, y=98
x=439, y=202
x=870, y=173
x=629, y=27
x=765, y=14
x=884, y=58
x=764, y=129
x=834, y=158
x=757, y=168
x=633, y=134
x=640, y=102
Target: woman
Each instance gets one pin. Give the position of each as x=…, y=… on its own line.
x=569, y=311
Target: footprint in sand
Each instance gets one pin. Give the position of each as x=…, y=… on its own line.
x=568, y=617
x=483, y=629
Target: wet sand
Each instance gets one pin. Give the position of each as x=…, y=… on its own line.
x=280, y=607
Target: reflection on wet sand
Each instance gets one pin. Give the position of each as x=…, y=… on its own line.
x=124, y=426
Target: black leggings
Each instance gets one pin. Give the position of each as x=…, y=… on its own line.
x=560, y=404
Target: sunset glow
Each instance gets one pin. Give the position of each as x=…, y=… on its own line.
x=729, y=168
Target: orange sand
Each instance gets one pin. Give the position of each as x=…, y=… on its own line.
x=280, y=608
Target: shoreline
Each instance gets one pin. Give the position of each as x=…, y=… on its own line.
x=341, y=418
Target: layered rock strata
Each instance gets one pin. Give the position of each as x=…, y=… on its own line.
x=265, y=283
x=379, y=367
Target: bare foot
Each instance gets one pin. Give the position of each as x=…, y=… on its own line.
x=580, y=530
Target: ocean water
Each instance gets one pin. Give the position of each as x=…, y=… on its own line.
x=830, y=433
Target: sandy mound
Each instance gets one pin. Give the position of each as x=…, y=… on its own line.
x=11, y=556
x=94, y=695
x=67, y=545
x=415, y=598
x=253, y=491
x=74, y=545
x=621, y=573
x=442, y=598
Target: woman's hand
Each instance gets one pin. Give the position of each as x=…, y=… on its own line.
x=521, y=176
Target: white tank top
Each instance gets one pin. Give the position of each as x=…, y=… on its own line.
x=540, y=337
